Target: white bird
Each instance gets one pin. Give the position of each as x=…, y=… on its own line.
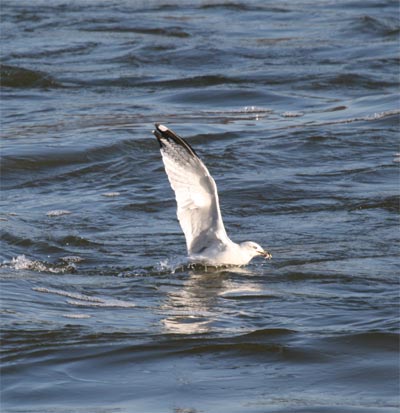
x=198, y=207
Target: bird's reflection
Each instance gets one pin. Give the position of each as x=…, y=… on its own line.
x=196, y=308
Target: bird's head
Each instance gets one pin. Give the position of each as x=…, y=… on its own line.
x=254, y=249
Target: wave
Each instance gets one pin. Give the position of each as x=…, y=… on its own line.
x=380, y=340
x=377, y=26
x=26, y=243
x=201, y=81
x=72, y=50
x=197, y=81
x=390, y=204
x=350, y=80
x=238, y=6
x=18, y=77
x=162, y=31
x=266, y=344
x=33, y=168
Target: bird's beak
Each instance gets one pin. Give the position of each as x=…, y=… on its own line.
x=266, y=255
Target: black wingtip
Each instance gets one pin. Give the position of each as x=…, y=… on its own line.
x=158, y=134
x=162, y=132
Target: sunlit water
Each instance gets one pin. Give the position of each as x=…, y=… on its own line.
x=294, y=108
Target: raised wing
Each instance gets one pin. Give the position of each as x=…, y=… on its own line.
x=195, y=192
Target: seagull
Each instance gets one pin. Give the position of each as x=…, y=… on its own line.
x=198, y=206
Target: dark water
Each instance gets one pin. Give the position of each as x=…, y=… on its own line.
x=294, y=107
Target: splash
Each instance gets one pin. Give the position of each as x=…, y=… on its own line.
x=170, y=265
x=21, y=262
x=164, y=265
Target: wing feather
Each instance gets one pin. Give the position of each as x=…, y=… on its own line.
x=195, y=191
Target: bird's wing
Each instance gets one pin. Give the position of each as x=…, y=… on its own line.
x=195, y=192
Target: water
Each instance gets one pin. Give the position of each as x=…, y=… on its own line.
x=294, y=108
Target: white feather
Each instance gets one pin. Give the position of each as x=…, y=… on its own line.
x=198, y=208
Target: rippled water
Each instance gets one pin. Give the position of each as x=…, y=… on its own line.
x=294, y=108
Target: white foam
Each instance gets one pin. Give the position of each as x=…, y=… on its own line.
x=241, y=291
x=380, y=115
x=103, y=303
x=77, y=316
x=83, y=300
x=373, y=117
x=253, y=109
x=111, y=194
x=292, y=114
x=58, y=213
x=77, y=296
x=72, y=258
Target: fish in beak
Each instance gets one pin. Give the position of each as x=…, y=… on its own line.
x=265, y=254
